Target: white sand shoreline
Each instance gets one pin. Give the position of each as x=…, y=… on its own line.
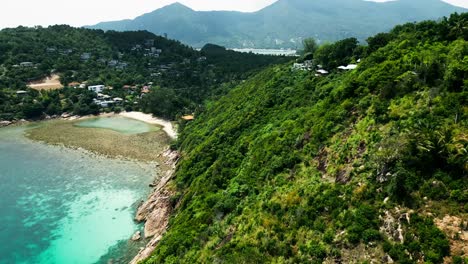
x=148, y=118
x=140, y=116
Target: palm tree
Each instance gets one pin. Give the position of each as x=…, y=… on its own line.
x=459, y=27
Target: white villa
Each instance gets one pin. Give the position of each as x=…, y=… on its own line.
x=21, y=93
x=348, y=68
x=96, y=88
x=118, y=100
x=322, y=72
x=27, y=64
x=85, y=56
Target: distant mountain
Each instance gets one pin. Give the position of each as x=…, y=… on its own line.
x=284, y=23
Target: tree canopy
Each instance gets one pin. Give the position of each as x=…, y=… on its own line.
x=290, y=167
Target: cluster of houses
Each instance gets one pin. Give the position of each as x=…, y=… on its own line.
x=148, y=49
x=120, y=65
x=202, y=59
x=85, y=56
x=308, y=65
x=117, y=64
x=26, y=64
x=64, y=52
x=144, y=90
x=153, y=52
x=158, y=70
x=77, y=85
x=104, y=100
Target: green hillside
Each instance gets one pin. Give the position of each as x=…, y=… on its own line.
x=353, y=167
x=178, y=77
x=284, y=23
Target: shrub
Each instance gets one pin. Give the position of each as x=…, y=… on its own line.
x=435, y=190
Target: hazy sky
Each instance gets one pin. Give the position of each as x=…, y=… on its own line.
x=88, y=12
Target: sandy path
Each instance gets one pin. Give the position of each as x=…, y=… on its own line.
x=49, y=83
x=167, y=126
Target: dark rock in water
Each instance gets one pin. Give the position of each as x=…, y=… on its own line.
x=152, y=185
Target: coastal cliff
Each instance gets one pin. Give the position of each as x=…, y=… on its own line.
x=156, y=210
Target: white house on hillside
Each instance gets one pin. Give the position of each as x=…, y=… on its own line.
x=96, y=88
x=348, y=68
x=27, y=64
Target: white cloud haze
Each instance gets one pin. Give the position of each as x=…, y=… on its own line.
x=88, y=12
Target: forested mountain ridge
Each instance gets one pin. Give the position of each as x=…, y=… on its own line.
x=64, y=49
x=149, y=72
x=363, y=166
x=285, y=23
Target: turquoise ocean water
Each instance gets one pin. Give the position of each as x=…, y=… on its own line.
x=59, y=205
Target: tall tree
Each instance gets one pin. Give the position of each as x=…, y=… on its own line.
x=309, y=46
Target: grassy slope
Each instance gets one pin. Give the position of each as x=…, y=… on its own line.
x=291, y=168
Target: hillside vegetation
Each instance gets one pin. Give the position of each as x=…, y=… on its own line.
x=284, y=23
x=178, y=78
x=348, y=168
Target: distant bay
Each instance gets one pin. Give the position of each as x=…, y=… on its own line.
x=276, y=52
x=59, y=205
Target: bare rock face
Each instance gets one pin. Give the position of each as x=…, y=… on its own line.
x=387, y=259
x=158, y=213
x=456, y=229
x=392, y=225
x=146, y=251
x=159, y=199
x=156, y=210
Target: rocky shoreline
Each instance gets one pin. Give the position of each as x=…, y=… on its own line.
x=155, y=212
x=64, y=116
x=157, y=209
x=5, y=123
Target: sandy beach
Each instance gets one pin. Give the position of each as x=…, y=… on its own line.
x=148, y=118
x=107, y=142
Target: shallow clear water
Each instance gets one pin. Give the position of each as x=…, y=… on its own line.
x=120, y=124
x=65, y=206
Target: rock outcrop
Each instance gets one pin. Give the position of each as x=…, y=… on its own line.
x=136, y=236
x=392, y=224
x=5, y=123
x=157, y=209
x=456, y=229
